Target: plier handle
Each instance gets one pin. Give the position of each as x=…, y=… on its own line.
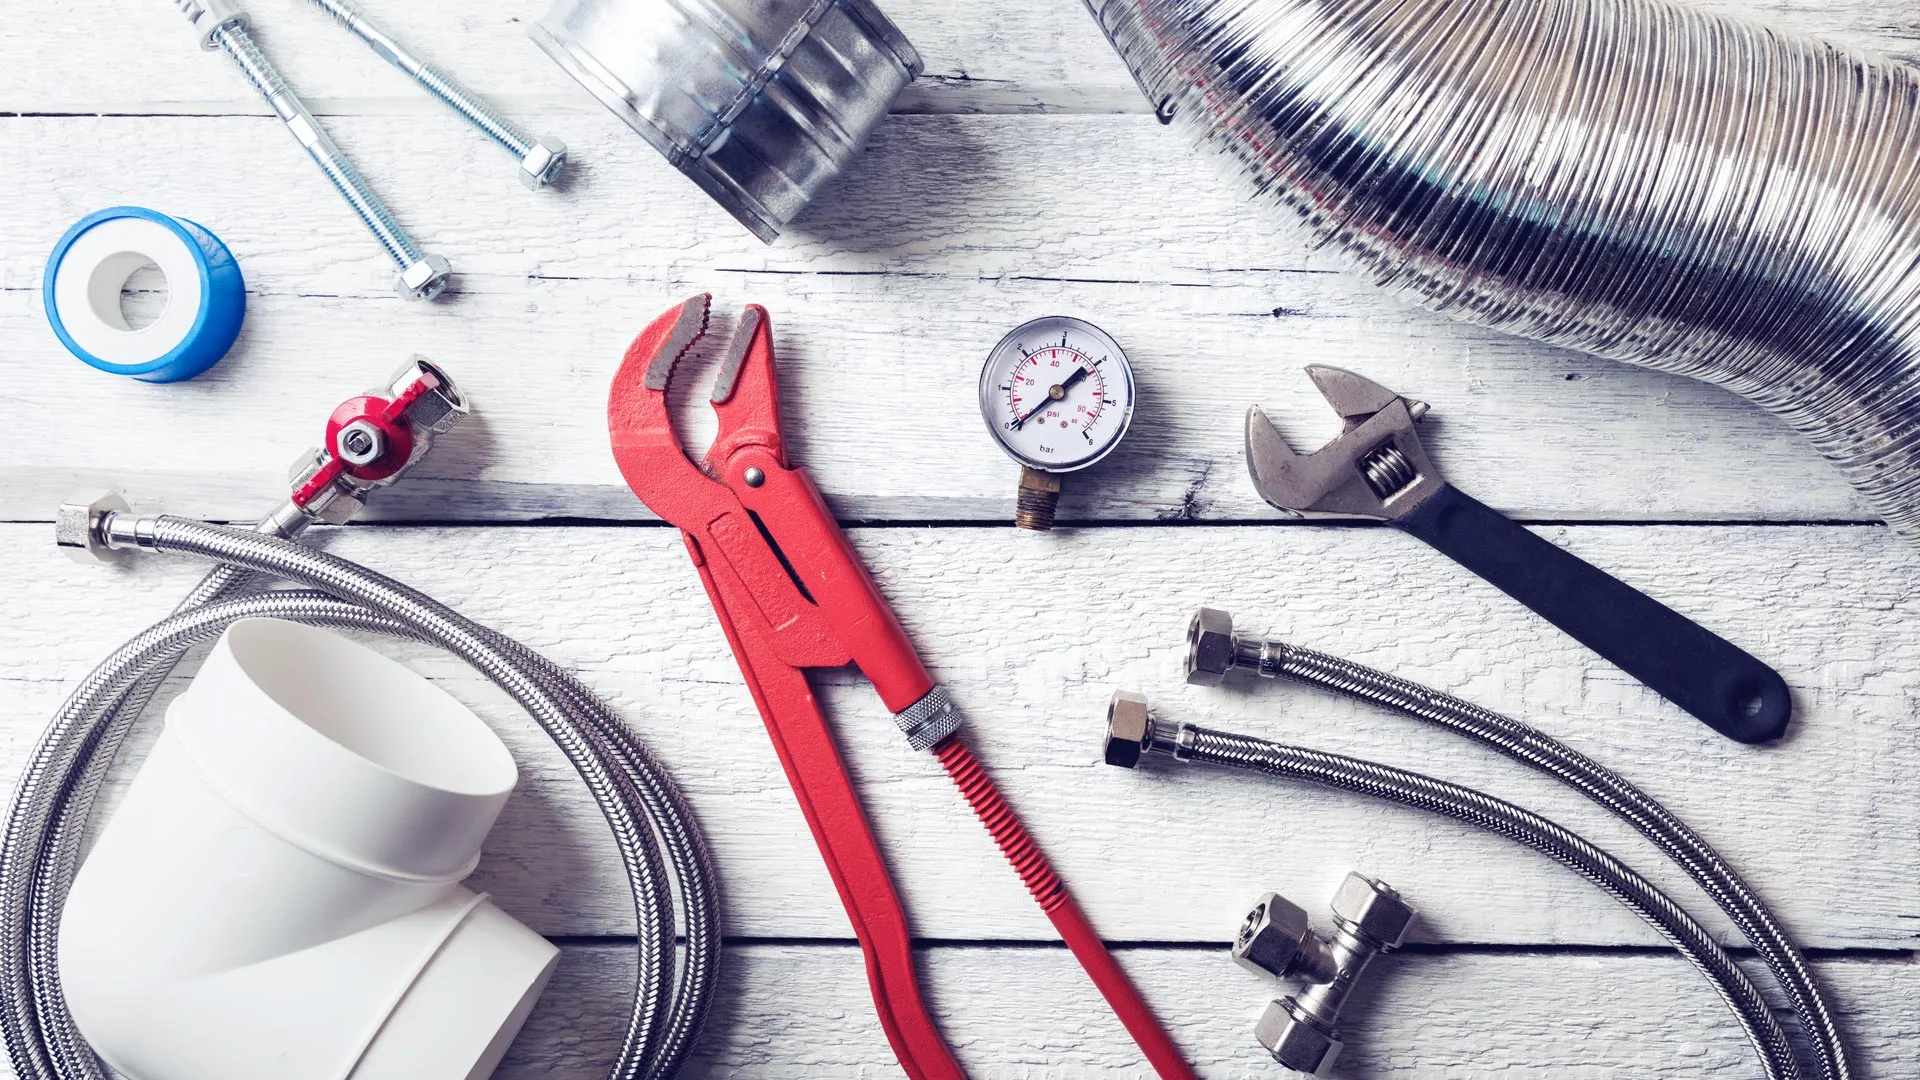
x=791, y=594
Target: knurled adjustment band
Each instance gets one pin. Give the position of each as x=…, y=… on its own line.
x=929, y=720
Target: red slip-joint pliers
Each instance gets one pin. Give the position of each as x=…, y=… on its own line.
x=791, y=594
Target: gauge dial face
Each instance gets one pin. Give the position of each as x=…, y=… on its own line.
x=1057, y=393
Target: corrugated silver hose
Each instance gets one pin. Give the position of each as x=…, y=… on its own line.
x=1190, y=743
x=1633, y=178
x=660, y=844
x=1541, y=752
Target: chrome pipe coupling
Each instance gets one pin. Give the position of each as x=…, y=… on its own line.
x=1277, y=940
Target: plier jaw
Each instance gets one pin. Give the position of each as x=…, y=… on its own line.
x=745, y=397
x=781, y=572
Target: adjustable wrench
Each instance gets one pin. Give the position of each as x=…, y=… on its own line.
x=1377, y=469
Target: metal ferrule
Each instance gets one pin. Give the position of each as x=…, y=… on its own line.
x=1170, y=740
x=121, y=532
x=927, y=721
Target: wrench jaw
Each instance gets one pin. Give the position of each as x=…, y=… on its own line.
x=1304, y=485
x=649, y=454
x=746, y=398
x=1375, y=470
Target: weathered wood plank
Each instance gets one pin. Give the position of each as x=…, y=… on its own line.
x=1815, y=821
x=979, y=56
x=947, y=216
x=1030, y=1014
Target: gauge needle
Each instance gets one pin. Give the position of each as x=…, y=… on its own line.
x=1055, y=393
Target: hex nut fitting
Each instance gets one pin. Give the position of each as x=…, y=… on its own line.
x=1209, y=647
x=1373, y=911
x=1295, y=1039
x=425, y=278
x=441, y=407
x=77, y=525
x=1273, y=939
x=1128, y=725
x=543, y=163
x=360, y=443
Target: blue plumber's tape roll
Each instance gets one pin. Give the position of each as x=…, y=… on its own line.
x=91, y=264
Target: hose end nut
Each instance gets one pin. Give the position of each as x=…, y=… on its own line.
x=544, y=162
x=1296, y=1040
x=1129, y=728
x=1210, y=649
x=1373, y=911
x=79, y=526
x=425, y=278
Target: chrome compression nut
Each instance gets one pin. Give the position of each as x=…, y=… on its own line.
x=1277, y=940
x=1301, y=1031
x=1210, y=647
x=79, y=526
x=1132, y=731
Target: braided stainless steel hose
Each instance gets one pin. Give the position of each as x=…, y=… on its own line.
x=1214, y=649
x=1143, y=734
x=664, y=854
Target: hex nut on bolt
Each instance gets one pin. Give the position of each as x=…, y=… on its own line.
x=1373, y=911
x=543, y=164
x=77, y=525
x=1295, y=1040
x=360, y=443
x=1128, y=722
x=425, y=278
x=1273, y=938
x=1209, y=647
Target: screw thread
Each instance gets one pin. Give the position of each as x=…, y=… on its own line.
x=1039, y=494
x=353, y=187
x=442, y=85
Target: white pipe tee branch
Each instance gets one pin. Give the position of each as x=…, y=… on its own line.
x=279, y=893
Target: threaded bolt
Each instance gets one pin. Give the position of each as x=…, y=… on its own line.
x=422, y=276
x=541, y=160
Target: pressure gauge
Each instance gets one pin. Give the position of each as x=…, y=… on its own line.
x=1057, y=394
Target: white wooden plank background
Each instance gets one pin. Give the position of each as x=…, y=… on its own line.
x=1022, y=176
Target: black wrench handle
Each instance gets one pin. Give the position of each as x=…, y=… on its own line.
x=1701, y=672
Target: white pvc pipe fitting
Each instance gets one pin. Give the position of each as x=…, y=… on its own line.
x=278, y=895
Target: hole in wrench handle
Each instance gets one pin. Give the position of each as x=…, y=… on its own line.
x=1703, y=673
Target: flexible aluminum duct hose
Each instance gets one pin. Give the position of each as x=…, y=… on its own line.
x=1190, y=743
x=660, y=844
x=1626, y=177
x=1539, y=751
